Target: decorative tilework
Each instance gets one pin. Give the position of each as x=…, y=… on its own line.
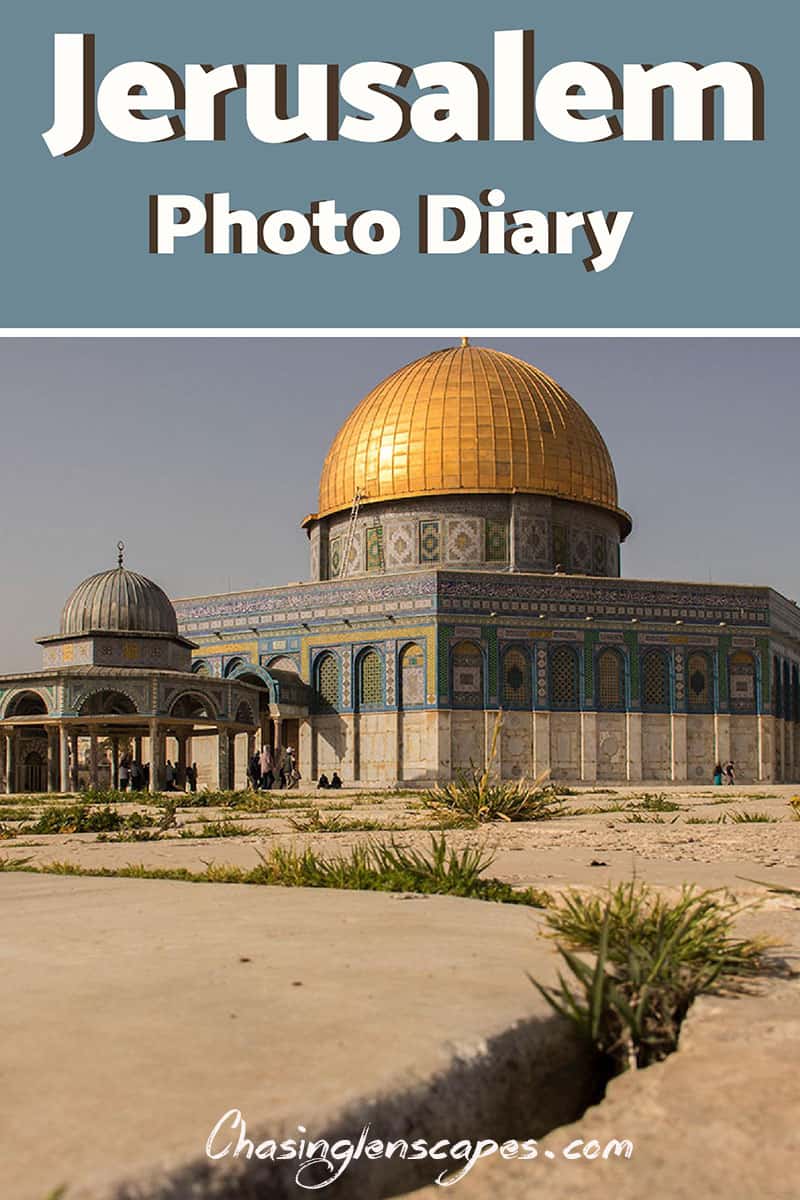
x=560, y=548
x=496, y=541
x=374, y=548
x=581, y=550
x=600, y=559
x=335, y=557
x=412, y=676
x=400, y=545
x=463, y=540
x=429, y=542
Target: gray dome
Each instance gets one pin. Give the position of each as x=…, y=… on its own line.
x=118, y=601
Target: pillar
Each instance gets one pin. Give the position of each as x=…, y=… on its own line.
x=278, y=738
x=53, y=782
x=156, y=757
x=182, y=740
x=223, y=750
x=633, y=729
x=588, y=747
x=73, y=762
x=722, y=737
x=2, y=764
x=679, y=760
x=63, y=760
x=490, y=716
x=541, y=743
x=93, y=779
x=11, y=761
x=115, y=762
x=765, y=759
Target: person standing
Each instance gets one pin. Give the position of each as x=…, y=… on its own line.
x=730, y=773
x=191, y=776
x=170, y=776
x=718, y=774
x=265, y=768
x=124, y=772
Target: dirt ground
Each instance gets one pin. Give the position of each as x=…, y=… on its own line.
x=603, y=834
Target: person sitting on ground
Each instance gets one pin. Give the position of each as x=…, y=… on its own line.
x=323, y=781
x=335, y=780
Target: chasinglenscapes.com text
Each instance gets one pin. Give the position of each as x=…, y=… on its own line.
x=322, y=1162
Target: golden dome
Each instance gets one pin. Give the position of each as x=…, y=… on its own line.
x=468, y=419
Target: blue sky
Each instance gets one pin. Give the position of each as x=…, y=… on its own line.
x=204, y=454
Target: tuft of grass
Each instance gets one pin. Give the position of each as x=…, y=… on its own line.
x=219, y=829
x=794, y=806
x=76, y=818
x=639, y=818
x=652, y=958
x=739, y=817
x=655, y=802
x=12, y=813
x=333, y=822
x=374, y=867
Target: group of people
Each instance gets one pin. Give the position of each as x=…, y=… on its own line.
x=265, y=770
x=135, y=776
x=725, y=774
x=333, y=782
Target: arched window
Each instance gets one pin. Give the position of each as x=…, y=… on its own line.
x=201, y=668
x=655, y=681
x=516, y=679
x=193, y=707
x=467, y=676
x=370, y=680
x=412, y=675
x=563, y=677
x=27, y=704
x=610, y=680
x=327, y=681
x=698, y=678
x=232, y=666
x=107, y=703
x=742, y=676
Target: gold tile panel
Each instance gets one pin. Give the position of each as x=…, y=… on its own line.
x=468, y=419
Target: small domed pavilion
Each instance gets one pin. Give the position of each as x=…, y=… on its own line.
x=118, y=675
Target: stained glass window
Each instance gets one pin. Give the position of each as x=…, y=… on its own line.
x=698, y=678
x=412, y=676
x=467, y=675
x=370, y=679
x=516, y=678
x=610, y=680
x=328, y=681
x=655, y=680
x=564, y=677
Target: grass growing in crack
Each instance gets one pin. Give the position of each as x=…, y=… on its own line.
x=374, y=867
x=652, y=958
x=332, y=822
x=654, y=802
x=76, y=818
x=740, y=817
x=478, y=796
x=640, y=818
x=219, y=829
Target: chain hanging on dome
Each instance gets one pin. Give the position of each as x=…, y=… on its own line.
x=120, y=553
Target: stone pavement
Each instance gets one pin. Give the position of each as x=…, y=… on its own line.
x=136, y=1012
x=718, y=1120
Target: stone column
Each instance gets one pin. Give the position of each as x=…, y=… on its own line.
x=223, y=747
x=722, y=738
x=156, y=756
x=489, y=718
x=63, y=759
x=278, y=738
x=73, y=762
x=541, y=743
x=680, y=763
x=633, y=728
x=93, y=779
x=588, y=747
x=11, y=762
x=180, y=761
x=52, y=759
x=115, y=762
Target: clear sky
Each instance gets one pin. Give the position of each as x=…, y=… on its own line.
x=204, y=454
